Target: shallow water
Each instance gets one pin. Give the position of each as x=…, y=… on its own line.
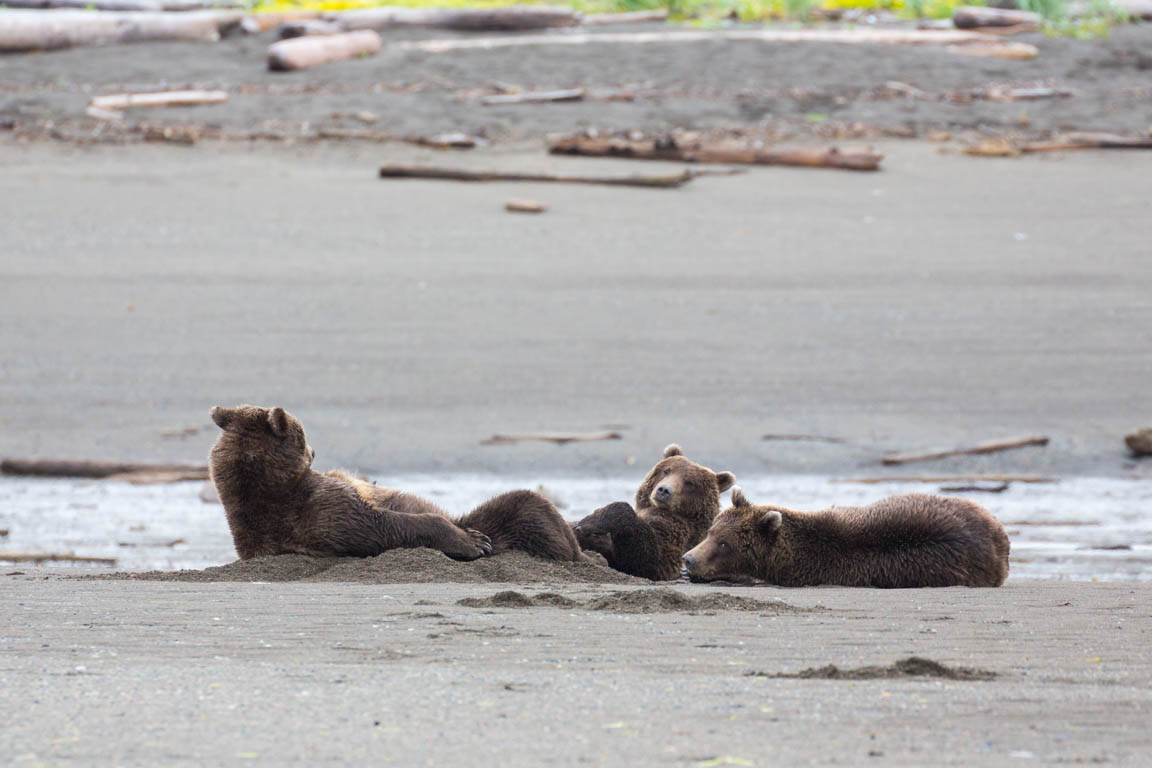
x=1066, y=530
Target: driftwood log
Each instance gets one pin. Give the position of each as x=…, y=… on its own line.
x=159, y=99
x=804, y=438
x=848, y=36
x=127, y=5
x=1001, y=49
x=535, y=97
x=560, y=438
x=305, y=27
x=1088, y=141
x=64, y=557
x=304, y=52
x=99, y=470
x=507, y=19
x=459, y=174
x=670, y=149
x=975, y=17
x=994, y=478
x=988, y=446
x=630, y=17
x=29, y=30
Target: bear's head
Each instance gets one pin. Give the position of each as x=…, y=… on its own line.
x=738, y=543
x=594, y=532
x=262, y=448
x=683, y=487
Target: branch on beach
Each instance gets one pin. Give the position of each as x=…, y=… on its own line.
x=805, y=438
x=118, y=101
x=504, y=19
x=948, y=479
x=668, y=148
x=63, y=557
x=459, y=174
x=560, y=438
x=136, y=472
x=535, y=97
x=988, y=446
x=977, y=17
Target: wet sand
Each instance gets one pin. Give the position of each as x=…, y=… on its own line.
x=942, y=300
x=183, y=674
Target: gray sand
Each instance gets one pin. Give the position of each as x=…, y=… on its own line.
x=326, y=674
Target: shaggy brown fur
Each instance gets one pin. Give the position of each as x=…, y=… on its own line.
x=674, y=507
x=276, y=504
x=916, y=540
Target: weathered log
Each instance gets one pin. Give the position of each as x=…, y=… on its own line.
x=159, y=99
x=94, y=469
x=631, y=17
x=127, y=5
x=44, y=557
x=1000, y=49
x=805, y=438
x=988, y=446
x=975, y=17
x=1088, y=141
x=669, y=149
x=29, y=30
x=975, y=488
x=535, y=97
x=306, y=27
x=525, y=206
x=512, y=18
x=305, y=52
x=262, y=22
x=850, y=36
x=994, y=478
x=560, y=438
x=1140, y=442
x=459, y=174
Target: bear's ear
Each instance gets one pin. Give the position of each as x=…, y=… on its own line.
x=673, y=450
x=278, y=421
x=768, y=522
x=223, y=416
x=739, y=499
x=725, y=480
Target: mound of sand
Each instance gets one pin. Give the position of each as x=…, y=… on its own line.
x=662, y=600
x=913, y=666
x=397, y=566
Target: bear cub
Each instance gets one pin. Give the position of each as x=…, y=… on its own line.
x=675, y=505
x=917, y=540
x=277, y=504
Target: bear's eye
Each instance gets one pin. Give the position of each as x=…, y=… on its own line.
x=723, y=545
x=690, y=483
x=667, y=471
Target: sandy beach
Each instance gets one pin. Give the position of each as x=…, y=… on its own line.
x=328, y=674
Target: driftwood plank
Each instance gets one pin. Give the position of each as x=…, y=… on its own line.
x=459, y=174
x=994, y=478
x=98, y=469
x=535, y=97
x=44, y=557
x=988, y=446
x=630, y=17
x=159, y=99
x=668, y=148
x=560, y=438
x=513, y=18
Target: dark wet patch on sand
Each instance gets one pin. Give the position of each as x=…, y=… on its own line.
x=397, y=566
x=662, y=600
x=913, y=666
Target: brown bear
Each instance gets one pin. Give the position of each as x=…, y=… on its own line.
x=916, y=540
x=276, y=503
x=674, y=507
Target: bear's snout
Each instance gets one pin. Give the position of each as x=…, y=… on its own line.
x=689, y=561
x=662, y=493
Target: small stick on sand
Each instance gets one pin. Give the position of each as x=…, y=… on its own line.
x=535, y=97
x=988, y=446
x=669, y=149
x=948, y=479
x=66, y=557
x=98, y=470
x=1089, y=141
x=459, y=174
x=997, y=488
x=808, y=438
x=560, y=438
x=525, y=206
x=159, y=99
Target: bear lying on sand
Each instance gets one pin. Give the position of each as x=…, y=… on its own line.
x=916, y=540
x=674, y=507
x=277, y=504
